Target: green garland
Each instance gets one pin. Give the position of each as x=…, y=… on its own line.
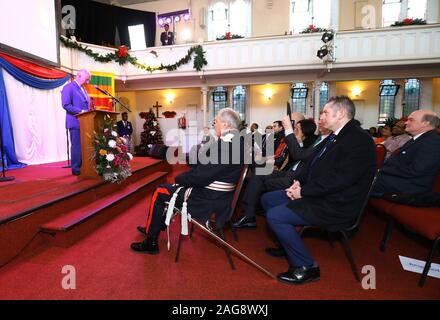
x=409, y=22
x=199, y=59
x=232, y=36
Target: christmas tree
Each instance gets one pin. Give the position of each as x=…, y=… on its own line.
x=151, y=135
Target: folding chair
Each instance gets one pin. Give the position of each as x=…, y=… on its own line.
x=221, y=220
x=345, y=232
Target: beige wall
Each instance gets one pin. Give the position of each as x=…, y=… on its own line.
x=436, y=95
x=142, y=101
x=267, y=22
x=350, y=13
x=367, y=103
x=263, y=111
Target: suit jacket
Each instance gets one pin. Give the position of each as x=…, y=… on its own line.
x=164, y=36
x=412, y=170
x=74, y=100
x=335, y=186
x=203, y=202
x=124, y=130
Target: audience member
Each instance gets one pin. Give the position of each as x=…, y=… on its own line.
x=397, y=140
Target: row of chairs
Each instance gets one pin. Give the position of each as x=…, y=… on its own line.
x=412, y=217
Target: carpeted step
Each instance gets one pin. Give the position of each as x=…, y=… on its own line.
x=76, y=217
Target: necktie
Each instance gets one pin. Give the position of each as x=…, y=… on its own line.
x=331, y=138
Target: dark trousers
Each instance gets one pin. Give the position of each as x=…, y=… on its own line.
x=278, y=180
x=75, y=150
x=283, y=221
x=156, y=214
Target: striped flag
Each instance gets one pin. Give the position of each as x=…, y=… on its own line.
x=105, y=81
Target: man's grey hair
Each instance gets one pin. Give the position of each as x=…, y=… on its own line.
x=231, y=117
x=343, y=102
x=432, y=119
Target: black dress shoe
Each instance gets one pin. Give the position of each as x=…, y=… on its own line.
x=300, y=275
x=76, y=173
x=149, y=246
x=245, y=222
x=276, y=252
x=142, y=230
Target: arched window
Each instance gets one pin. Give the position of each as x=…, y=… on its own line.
x=412, y=96
x=323, y=95
x=387, y=103
x=306, y=12
x=239, y=101
x=229, y=16
x=299, y=97
x=397, y=10
x=220, y=99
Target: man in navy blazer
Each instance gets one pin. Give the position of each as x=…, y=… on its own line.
x=125, y=129
x=329, y=191
x=412, y=169
x=75, y=100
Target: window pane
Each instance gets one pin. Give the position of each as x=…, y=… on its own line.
x=218, y=23
x=137, y=37
x=323, y=95
x=299, y=97
x=238, y=17
x=412, y=96
x=220, y=99
x=387, y=102
x=300, y=16
x=417, y=9
x=322, y=13
x=390, y=12
x=239, y=101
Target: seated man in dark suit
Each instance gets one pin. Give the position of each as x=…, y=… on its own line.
x=208, y=187
x=125, y=129
x=413, y=168
x=329, y=192
x=279, y=180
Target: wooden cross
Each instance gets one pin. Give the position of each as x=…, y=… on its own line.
x=157, y=106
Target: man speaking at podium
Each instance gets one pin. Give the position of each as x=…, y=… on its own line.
x=75, y=100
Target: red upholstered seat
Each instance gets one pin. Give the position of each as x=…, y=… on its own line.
x=381, y=204
x=381, y=152
x=436, y=185
x=425, y=221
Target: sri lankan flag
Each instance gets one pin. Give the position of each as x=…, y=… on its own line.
x=105, y=81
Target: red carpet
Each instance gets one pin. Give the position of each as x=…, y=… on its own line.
x=38, y=184
x=107, y=269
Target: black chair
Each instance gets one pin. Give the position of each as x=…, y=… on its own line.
x=346, y=232
x=220, y=221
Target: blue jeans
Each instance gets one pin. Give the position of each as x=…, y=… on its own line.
x=282, y=221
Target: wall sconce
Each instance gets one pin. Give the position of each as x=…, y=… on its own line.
x=268, y=93
x=356, y=91
x=170, y=97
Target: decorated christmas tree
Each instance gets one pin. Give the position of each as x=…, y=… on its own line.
x=151, y=135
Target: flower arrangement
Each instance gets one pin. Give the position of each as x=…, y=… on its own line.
x=111, y=155
x=229, y=36
x=408, y=22
x=312, y=29
x=169, y=114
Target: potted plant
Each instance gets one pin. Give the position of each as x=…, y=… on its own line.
x=169, y=114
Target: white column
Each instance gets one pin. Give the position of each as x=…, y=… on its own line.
x=317, y=93
x=432, y=11
x=399, y=99
x=335, y=15
x=204, y=91
x=426, y=93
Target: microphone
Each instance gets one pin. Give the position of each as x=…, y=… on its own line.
x=101, y=90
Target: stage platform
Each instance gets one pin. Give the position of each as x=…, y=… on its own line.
x=48, y=200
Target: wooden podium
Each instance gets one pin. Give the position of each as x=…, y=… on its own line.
x=91, y=121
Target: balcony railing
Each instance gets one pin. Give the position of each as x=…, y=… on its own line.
x=364, y=48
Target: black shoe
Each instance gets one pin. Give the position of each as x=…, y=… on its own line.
x=276, y=252
x=76, y=173
x=142, y=230
x=149, y=246
x=300, y=275
x=245, y=222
